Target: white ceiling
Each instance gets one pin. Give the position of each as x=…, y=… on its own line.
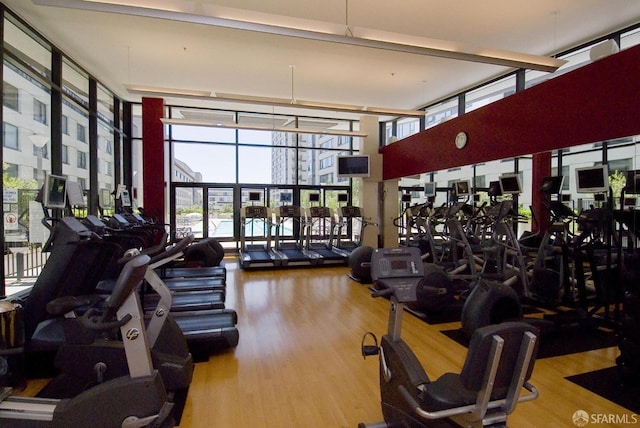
x=124, y=49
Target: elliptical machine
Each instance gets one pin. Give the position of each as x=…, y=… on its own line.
x=498, y=365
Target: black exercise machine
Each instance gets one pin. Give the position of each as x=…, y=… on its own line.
x=290, y=250
x=255, y=238
x=499, y=362
x=138, y=399
x=208, y=329
x=319, y=230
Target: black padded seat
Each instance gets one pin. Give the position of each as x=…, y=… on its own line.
x=453, y=390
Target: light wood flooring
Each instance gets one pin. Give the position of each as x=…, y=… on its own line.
x=298, y=363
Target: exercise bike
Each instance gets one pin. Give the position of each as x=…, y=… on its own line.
x=498, y=365
x=138, y=399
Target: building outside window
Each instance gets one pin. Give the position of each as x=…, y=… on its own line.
x=10, y=97
x=10, y=136
x=81, y=133
x=39, y=111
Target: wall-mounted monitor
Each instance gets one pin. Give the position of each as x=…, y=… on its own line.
x=463, y=187
x=286, y=197
x=406, y=197
x=510, y=184
x=632, y=185
x=254, y=196
x=494, y=189
x=593, y=179
x=552, y=185
x=429, y=189
x=353, y=166
x=343, y=197
x=314, y=197
x=54, y=191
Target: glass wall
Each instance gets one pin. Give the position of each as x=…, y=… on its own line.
x=239, y=149
x=27, y=147
x=47, y=129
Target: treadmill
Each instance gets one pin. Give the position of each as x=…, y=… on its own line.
x=204, y=329
x=256, y=227
x=201, y=259
x=320, y=226
x=187, y=293
x=289, y=249
x=349, y=217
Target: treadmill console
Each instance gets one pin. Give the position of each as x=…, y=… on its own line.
x=400, y=269
x=320, y=211
x=350, y=211
x=289, y=211
x=255, y=211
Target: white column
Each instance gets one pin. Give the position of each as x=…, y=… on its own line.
x=379, y=198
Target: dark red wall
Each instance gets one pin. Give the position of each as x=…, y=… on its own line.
x=596, y=102
x=153, y=158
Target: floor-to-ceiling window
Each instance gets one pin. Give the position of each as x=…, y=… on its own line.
x=48, y=131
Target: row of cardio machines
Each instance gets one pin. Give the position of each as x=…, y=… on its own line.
x=194, y=274
x=85, y=255
x=83, y=324
x=303, y=236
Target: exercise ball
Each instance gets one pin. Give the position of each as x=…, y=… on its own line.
x=490, y=302
x=360, y=264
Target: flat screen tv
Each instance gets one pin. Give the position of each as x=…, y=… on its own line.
x=254, y=196
x=510, y=184
x=54, y=194
x=343, y=197
x=593, y=179
x=463, y=187
x=286, y=197
x=632, y=185
x=353, y=166
x=552, y=185
x=494, y=189
x=406, y=197
x=429, y=189
x=314, y=197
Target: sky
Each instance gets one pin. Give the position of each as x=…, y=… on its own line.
x=216, y=162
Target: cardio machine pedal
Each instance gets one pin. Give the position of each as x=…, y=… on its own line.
x=369, y=350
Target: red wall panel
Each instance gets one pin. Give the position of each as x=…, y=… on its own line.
x=153, y=158
x=593, y=103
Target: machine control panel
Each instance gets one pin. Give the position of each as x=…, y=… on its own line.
x=397, y=271
x=255, y=211
x=396, y=263
x=320, y=211
x=350, y=211
x=289, y=211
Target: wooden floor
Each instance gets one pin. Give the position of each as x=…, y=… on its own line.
x=298, y=363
